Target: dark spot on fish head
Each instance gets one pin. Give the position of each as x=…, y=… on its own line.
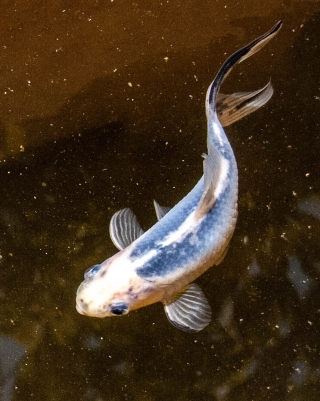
x=82, y=306
x=119, y=308
x=129, y=292
x=91, y=272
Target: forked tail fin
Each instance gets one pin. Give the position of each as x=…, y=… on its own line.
x=234, y=59
x=229, y=109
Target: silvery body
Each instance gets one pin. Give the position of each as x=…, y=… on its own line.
x=162, y=263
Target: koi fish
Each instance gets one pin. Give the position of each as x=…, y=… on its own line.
x=161, y=264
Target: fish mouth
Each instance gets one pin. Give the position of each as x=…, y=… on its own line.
x=80, y=309
x=84, y=307
x=80, y=305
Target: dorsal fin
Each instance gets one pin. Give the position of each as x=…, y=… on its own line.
x=161, y=211
x=124, y=228
x=212, y=167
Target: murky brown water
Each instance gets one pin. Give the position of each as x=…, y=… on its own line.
x=102, y=107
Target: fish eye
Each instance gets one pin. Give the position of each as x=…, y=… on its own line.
x=91, y=271
x=119, y=309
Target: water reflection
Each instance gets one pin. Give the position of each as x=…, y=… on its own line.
x=310, y=206
x=57, y=200
x=301, y=282
x=11, y=352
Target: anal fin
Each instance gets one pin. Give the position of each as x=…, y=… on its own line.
x=188, y=311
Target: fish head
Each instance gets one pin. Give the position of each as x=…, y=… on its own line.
x=112, y=288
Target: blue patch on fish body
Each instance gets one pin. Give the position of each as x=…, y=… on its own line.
x=198, y=244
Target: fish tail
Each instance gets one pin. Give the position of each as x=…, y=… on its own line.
x=234, y=59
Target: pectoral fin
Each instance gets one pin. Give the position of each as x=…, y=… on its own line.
x=124, y=228
x=160, y=210
x=231, y=108
x=188, y=310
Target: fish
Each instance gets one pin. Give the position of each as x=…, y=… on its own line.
x=162, y=263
